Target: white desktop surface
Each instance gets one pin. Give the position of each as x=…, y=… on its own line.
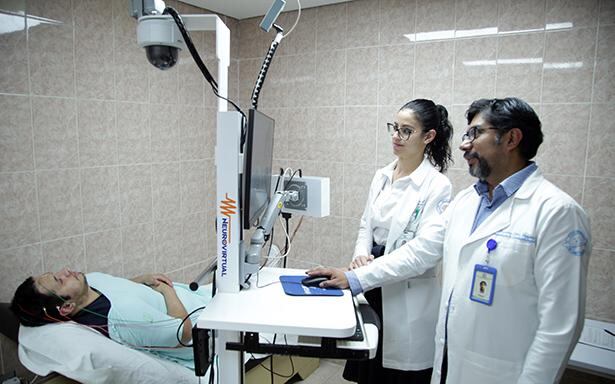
x=591, y=358
x=269, y=309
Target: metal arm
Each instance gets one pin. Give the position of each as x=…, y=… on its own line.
x=140, y=8
x=262, y=233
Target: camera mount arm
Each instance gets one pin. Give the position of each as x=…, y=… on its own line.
x=140, y=8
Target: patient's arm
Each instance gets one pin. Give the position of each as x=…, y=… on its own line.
x=153, y=280
x=176, y=309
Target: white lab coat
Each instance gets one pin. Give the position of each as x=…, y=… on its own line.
x=409, y=305
x=528, y=333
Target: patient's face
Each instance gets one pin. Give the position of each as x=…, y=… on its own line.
x=62, y=283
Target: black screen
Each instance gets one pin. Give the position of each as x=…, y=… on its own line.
x=258, y=155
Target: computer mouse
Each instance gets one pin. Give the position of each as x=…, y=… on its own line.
x=314, y=281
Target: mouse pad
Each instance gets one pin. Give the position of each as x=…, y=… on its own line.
x=293, y=287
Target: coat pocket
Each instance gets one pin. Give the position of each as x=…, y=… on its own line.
x=477, y=368
x=513, y=259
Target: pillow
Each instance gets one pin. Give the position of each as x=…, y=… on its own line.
x=85, y=355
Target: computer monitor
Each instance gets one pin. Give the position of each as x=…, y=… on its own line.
x=258, y=159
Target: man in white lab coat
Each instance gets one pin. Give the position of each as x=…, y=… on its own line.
x=525, y=243
x=515, y=255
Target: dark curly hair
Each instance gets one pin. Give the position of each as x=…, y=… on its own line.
x=434, y=116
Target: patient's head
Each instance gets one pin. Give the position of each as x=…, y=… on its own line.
x=49, y=298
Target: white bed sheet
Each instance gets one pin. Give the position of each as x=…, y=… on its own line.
x=84, y=355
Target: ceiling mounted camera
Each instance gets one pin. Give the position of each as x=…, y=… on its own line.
x=161, y=39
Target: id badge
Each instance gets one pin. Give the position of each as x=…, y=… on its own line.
x=483, y=284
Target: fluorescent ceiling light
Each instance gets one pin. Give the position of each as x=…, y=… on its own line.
x=479, y=63
x=570, y=65
x=476, y=32
x=556, y=26
x=523, y=60
x=10, y=22
x=526, y=60
x=489, y=31
x=435, y=35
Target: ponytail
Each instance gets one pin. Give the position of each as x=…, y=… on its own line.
x=434, y=117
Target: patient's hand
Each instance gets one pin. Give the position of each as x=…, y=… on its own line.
x=361, y=261
x=163, y=288
x=153, y=280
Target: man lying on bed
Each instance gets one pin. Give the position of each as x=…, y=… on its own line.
x=144, y=312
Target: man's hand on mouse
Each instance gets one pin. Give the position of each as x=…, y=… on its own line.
x=337, y=278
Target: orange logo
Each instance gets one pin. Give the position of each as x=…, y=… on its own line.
x=228, y=207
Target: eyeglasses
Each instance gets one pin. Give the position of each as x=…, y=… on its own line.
x=403, y=132
x=473, y=132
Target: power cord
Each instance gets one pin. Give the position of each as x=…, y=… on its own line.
x=296, y=20
x=293, y=175
x=271, y=364
x=280, y=176
x=286, y=217
x=271, y=370
x=212, y=371
x=182, y=323
x=197, y=58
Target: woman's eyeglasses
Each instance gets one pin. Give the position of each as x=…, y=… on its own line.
x=403, y=132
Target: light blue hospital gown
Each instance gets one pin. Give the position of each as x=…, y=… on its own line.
x=138, y=315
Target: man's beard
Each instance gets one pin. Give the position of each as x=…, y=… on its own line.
x=481, y=170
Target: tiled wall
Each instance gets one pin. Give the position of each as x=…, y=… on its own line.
x=107, y=163
x=347, y=68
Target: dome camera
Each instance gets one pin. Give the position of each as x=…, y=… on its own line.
x=161, y=39
x=162, y=56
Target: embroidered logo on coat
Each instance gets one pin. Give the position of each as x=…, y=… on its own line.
x=525, y=237
x=576, y=242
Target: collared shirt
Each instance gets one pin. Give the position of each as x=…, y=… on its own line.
x=353, y=283
x=501, y=193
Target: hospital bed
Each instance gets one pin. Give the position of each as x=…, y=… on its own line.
x=81, y=354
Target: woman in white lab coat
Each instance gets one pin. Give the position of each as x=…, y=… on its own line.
x=403, y=197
